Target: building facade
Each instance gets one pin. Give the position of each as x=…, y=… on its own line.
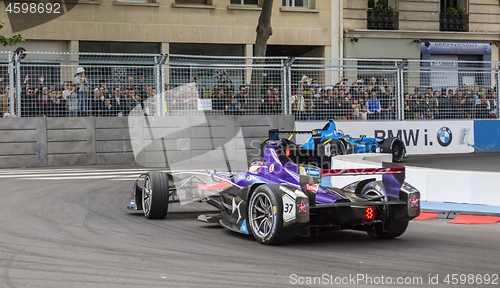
x=210, y=27
x=422, y=29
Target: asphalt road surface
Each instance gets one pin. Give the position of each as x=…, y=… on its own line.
x=71, y=228
x=468, y=161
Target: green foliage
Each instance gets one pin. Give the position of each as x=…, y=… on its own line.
x=455, y=11
x=383, y=8
x=11, y=40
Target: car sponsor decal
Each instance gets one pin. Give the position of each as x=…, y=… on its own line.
x=288, y=208
x=243, y=227
x=414, y=201
x=328, y=151
x=444, y=136
x=312, y=187
x=132, y=203
x=237, y=207
x=245, y=177
x=271, y=168
x=274, y=222
x=302, y=207
x=309, y=172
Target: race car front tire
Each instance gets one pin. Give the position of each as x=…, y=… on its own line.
x=265, y=216
x=155, y=205
x=393, y=229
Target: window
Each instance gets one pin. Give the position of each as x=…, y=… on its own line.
x=453, y=16
x=191, y=2
x=296, y=3
x=460, y=5
x=244, y=2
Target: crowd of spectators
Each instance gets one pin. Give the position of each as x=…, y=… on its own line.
x=358, y=101
x=461, y=103
x=80, y=98
x=309, y=101
x=374, y=100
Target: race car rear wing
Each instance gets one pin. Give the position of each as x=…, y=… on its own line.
x=363, y=171
x=392, y=176
x=274, y=133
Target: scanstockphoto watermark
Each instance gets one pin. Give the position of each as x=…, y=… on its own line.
x=357, y=279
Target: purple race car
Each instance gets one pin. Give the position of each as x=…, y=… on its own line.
x=276, y=199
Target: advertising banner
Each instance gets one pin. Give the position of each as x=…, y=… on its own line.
x=420, y=137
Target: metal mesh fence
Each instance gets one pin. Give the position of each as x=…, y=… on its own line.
x=70, y=84
x=38, y=84
x=450, y=90
x=344, y=89
x=224, y=85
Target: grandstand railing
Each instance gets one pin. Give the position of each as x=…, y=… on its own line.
x=44, y=84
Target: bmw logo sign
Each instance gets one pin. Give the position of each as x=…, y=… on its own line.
x=444, y=136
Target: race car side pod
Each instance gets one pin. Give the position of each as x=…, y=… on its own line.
x=362, y=171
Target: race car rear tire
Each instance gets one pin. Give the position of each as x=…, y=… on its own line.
x=155, y=205
x=338, y=147
x=393, y=229
x=265, y=216
x=396, y=147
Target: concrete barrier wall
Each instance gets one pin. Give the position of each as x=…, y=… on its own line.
x=38, y=142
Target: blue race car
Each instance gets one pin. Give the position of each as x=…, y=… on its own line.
x=276, y=199
x=329, y=141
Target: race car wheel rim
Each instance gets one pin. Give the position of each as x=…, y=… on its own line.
x=397, y=150
x=261, y=215
x=146, y=196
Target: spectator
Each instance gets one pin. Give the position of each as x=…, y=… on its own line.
x=427, y=107
x=416, y=92
x=219, y=101
x=233, y=107
x=429, y=90
x=242, y=98
x=277, y=103
x=444, y=104
x=4, y=101
x=225, y=81
x=71, y=100
x=83, y=90
x=298, y=105
x=407, y=107
x=309, y=106
x=387, y=104
x=373, y=107
x=356, y=110
x=385, y=85
x=470, y=105
x=415, y=107
x=118, y=104
x=55, y=106
x=458, y=105
x=339, y=105
x=483, y=107
x=107, y=110
x=95, y=104
x=43, y=98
